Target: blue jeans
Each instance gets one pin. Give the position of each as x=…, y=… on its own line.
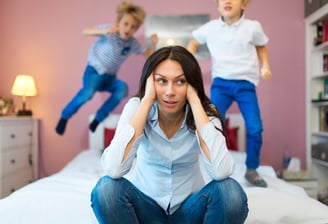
x=223, y=93
x=93, y=82
x=118, y=201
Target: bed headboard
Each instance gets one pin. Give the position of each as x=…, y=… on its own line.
x=96, y=139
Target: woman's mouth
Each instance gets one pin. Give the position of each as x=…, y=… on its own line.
x=170, y=103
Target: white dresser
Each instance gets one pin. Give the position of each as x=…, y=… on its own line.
x=18, y=153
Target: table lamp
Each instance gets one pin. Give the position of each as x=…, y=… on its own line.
x=24, y=86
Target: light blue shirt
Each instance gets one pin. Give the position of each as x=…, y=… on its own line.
x=233, y=48
x=167, y=170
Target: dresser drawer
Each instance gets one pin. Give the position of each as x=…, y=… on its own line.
x=12, y=135
x=12, y=160
x=11, y=183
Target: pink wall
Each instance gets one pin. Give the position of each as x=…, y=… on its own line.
x=44, y=38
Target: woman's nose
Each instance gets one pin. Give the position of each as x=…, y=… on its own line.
x=169, y=90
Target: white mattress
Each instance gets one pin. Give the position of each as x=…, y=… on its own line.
x=65, y=197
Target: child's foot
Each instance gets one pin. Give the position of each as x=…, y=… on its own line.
x=93, y=126
x=254, y=178
x=60, y=128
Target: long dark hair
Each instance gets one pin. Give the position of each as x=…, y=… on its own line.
x=192, y=72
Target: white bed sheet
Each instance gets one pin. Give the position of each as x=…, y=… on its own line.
x=65, y=197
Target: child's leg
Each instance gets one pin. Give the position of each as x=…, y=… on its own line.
x=222, y=95
x=118, y=90
x=248, y=105
x=91, y=82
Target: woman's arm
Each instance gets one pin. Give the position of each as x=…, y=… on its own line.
x=200, y=116
x=219, y=162
x=139, y=119
x=119, y=155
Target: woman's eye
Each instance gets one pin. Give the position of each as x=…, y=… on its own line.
x=181, y=82
x=160, y=81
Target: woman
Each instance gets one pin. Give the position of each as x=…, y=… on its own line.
x=170, y=129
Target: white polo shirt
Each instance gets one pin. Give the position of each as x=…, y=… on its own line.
x=232, y=48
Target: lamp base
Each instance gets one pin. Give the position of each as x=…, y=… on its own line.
x=24, y=113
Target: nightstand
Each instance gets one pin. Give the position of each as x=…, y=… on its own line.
x=18, y=153
x=309, y=184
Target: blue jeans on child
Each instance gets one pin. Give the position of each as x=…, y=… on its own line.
x=93, y=82
x=118, y=201
x=223, y=93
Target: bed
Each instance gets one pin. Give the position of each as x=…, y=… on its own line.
x=64, y=197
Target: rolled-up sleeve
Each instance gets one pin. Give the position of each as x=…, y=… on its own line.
x=221, y=162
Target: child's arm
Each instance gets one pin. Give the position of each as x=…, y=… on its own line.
x=193, y=46
x=94, y=31
x=152, y=48
x=263, y=55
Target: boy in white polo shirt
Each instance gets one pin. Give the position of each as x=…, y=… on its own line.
x=236, y=44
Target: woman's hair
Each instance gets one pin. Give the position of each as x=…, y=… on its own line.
x=128, y=8
x=192, y=72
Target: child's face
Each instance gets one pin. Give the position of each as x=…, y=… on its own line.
x=127, y=26
x=231, y=10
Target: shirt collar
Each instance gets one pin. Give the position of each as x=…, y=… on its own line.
x=236, y=24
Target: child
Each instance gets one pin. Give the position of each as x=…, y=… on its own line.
x=235, y=44
x=170, y=128
x=107, y=54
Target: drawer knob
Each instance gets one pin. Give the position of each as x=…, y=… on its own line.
x=12, y=190
x=12, y=136
x=13, y=161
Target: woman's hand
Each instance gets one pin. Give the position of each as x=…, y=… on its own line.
x=150, y=88
x=191, y=93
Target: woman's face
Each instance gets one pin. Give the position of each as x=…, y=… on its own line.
x=171, y=87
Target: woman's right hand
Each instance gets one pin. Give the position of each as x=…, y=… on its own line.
x=150, y=88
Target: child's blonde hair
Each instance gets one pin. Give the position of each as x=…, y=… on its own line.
x=128, y=8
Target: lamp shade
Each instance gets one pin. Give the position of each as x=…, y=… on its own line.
x=24, y=85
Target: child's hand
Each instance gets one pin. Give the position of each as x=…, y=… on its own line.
x=154, y=39
x=150, y=88
x=266, y=73
x=112, y=30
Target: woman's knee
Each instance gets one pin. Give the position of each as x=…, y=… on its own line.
x=103, y=189
x=230, y=191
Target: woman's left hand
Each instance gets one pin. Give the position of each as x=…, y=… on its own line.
x=191, y=93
